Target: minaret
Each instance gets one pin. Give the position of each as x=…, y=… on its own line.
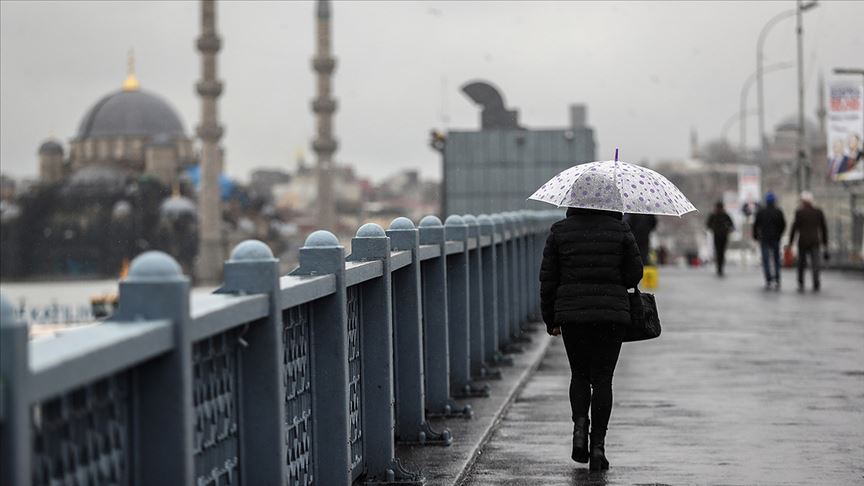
x=324, y=106
x=211, y=252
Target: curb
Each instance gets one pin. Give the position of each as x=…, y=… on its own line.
x=527, y=373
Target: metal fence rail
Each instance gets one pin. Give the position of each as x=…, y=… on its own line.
x=307, y=378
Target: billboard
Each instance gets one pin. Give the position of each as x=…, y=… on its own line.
x=845, y=129
x=749, y=188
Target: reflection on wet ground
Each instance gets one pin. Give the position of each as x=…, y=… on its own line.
x=743, y=387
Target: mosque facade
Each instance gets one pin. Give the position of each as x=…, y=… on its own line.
x=129, y=132
x=122, y=185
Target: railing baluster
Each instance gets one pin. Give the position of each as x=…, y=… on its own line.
x=459, y=315
x=164, y=417
x=476, y=296
x=15, y=433
x=411, y=424
x=252, y=269
x=513, y=274
x=371, y=243
x=503, y=283
x=435, y=324
x=523, y=269
x=490, y=292
x=323, y=255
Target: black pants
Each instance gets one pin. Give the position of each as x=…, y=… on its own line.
x=720, y=251
x=593, y=355
x=809, y=252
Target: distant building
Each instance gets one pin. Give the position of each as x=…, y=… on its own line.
x=108, y=196
x=126, y=133
x=497, y=167
x=262, y=182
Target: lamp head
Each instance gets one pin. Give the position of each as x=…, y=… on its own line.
x=807, y=6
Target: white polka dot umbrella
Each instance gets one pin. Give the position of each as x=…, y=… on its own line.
x=614, y=185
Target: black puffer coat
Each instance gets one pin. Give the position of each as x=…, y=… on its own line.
x=589, y=262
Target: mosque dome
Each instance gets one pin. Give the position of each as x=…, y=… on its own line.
x=51, y=147
x=131, y=112
x=787, y=129
x=790, y=123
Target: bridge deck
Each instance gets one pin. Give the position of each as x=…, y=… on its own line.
x=743, y=387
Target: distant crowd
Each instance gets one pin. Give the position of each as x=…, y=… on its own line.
x=768, y=227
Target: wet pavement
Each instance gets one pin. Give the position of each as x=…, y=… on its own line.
x=743, y=387
x=442, y=465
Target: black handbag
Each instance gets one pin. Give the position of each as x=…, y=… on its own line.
x=644, y=320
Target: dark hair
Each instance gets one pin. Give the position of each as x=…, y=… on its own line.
x=719, y=206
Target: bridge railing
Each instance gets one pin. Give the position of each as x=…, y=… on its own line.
x=309, y=377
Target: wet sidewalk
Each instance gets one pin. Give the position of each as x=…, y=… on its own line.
x=743, y=387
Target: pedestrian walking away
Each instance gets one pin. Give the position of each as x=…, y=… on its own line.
x=642, y=225
x=589, y=262
x=809, y=225
x=721, y=225
x=768, y=229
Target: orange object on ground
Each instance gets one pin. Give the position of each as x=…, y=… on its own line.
x=788, y=257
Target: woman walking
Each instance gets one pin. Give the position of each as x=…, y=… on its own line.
x=590, y=260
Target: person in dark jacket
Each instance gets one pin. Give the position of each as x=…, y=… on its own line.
x=768, y=228
x=721, y=225
x=810, y=224
x=590, y=260
x=642, y=225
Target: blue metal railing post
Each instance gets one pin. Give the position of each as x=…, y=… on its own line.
x=370, y=244
x=322, y=254
x=15, y=434
x=490, y=290
x=522, y=226
x=459, y=315
x=533, y=229
x=163, y=418
x=411, y=424
x=252, y=269
x=435, y=324
x=476, y=296
x=540, y=229
x=520, y=271
x=503, y=282
x=513, y=275
x=516, y=277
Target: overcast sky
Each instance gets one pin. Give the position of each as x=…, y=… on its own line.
x=647, y=71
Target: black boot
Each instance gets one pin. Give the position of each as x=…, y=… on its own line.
x=598, y=460
x=580, y=440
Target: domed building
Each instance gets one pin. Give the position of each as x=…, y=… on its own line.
x=130, y=131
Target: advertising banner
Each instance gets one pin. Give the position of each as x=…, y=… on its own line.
x=749, y=188
x=845, y=129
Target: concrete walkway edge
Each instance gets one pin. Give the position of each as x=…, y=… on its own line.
x=538, y=353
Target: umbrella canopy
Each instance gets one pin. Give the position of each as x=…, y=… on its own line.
x=614, y=185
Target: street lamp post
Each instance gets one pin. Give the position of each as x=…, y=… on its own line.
x=803, y=171
x=745, y=90
x=759, y=60
x=727, y=125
